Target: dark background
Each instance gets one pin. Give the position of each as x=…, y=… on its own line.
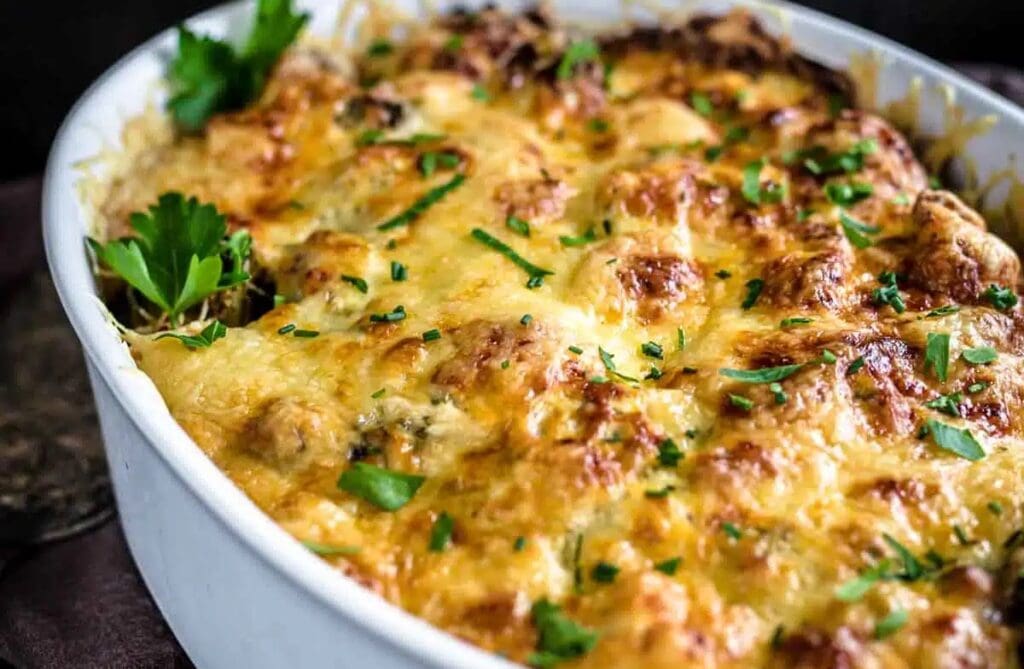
x=50, y=51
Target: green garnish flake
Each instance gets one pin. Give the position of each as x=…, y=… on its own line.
x=379, y=47
x=943, y=311
x=794, y=321
x=819, y=162
x=558, y=637
x=517, y=225
x=441, y=532
x=1000, y=298
x=701, y=104
x=582, y=240
x=669, y=454
x=754, y=288
x=846, y=194
x=431, y=335
x=175, y=259
x=740, y=402
x=577, y=53
x=723, y=274
x=901, y=199
x=576, y=349
x=285, y=329
x=328, y=550
x=536, y=273
x=855, y=589
x=306, y=334
x=659, y=493
x=752, y=190
x=732, y=531
x=377, y=394
x=891, y=624
x=480, y=93
x=955, y=440
x=208, y=76
x=975, y=388
x=519, y=544
x=359, y=283
x=669, y=566
x=393, y=316
x=453, y=43
x=387, y=489
x=211, y=333
x=855, y=366
x=505, y=363
x=598, y=125
x=399, y=272
x=652, y=350
x=526, y=319
x=429, y=161
x=776, y=390
x=607, y=358
x=947, y=404
x=936, y=355
x=763, y=375
x=995, y=508
x=889, y=293
x=856, y=231
x=981, y=355
x=654, y=374
x=827, y=357
x=432, y=197
x=604, y=572
x=680, y=338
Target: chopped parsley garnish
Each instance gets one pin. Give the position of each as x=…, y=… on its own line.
x=889, y=293
x=846, y=194
x=517, y=225
x=431, y=160
x=379, y=47
x=891, y=624
x=579, y=52
x=387, y=489
x=360, y=284
x=526, y=319
x=960, y=442
x=654, y=374
x=736, y=134
x=453, y=43
x=977, y=387
x=740, y=402
x=912, y=567
x=723, y=274
x=947, y=404
x=285, y=329
x=377, y=394
x=680, y=338
x=374, y=136
x=855, y=231
x=441, y=532
x=659, y=493
x=776, y=390
x=819, y=162
x=943, y=311
x=399, y=272
x=827, y=357
x=901, y=199
x=855, y=589
x=211, y=333
x=432, y=335
x=536, y=274
x=576, y=349
x=175, y=261
x=754, y=288
x=208, y=76
x=370, y=137
x=979, y=356
x=855, y=366
x=732, y=531
x=961, y=536
x=603, y=572
x=995, y=507
x=598, y=125
x=582, y=240
x=669, y=454
x=701, y=104
x=505, y=363
x=936, y=355
x=519, y=544
x=433, y=196
x=669, y=566
x=1001, y=298
x=652, y=350
x=328, y=550
x=803, y=215
x=712, y=153
x=306, y=334
x=752, y=190
x=480, y=93
x=778, y=635
x=558, y=637
x=793, y=322
x=763, y=375
x=393, y=316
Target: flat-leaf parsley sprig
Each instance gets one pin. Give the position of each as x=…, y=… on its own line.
x=175, y=259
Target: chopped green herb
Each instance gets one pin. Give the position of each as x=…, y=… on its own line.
x=763, y=375
x=846, y=194
x=598, y=125
x=943, y=311
x=285, y=329
x=961, y=536
x=680, y=338
x=576, y=349
x=652, y=350
x=889, y=293
x=519, y=544
x=934, y=182
x=433, y=196
x=441, y=533
x=975, y=388
x=855, y=589
x=796, y=320
x=430, y=160
x=669, y=566
x=740, y=402
x=995, y=507
x=827, y=357
x=669, y=454
x=393, y=316
x=559, y=638
x=803, y=215
x=754, y=288
x=526, y=319
x=279, y=300
x=947, y=404
x=752, y=190
x=855, y=366
x=1001, y=298
x=306, y=334
x=712, y=153
x=327, y=550
x=360, y=284
x=586, y=238
x=211, y=333
x=579, y=52
x=960, y=442
x=701, y=104
x=891, y=624
x=912, y=568
x=732, y=531
x=453, y=43
x=387, y=489
x=504, y=249
x=980, y=355
x=819, y=162
x=723, y=274
x=658, y=493
x=654, y=374
x=604, y=572
x=379, y=47
x=936, y=355
x=855, y=231
x=377, y=394
x=736, y=134
x=504, y=364
x=607, y=359
x=399, y=272
x=517, y=225
x=432, y=335
x=480, y=93
x=901, y=200
x=776, y=390
x=777, y=637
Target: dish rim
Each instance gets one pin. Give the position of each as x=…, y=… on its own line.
x=66, y=257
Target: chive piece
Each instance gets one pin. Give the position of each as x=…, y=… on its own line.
x=891, y=624
x=754, y=288
x=598, y=125
x=723, y=274
x=328, y=550
x=536, y=273
x=855, y=589
x=827, y=357
x=480, y=93
x=399, y=272
x=377, y=394
x=740, y=402
x=519, y=544
x=384, y=488
x=1001, y=298
x=211, y=333
x=360, y=284
x=763, y=375
x=306, y=334
x=912, y=568
x=607, y=359
x=393, y=316
x=433, y=196
x=680, y=338
x=431, y=335
x=652, y=350
x=370, y=137
x=855, y=231
x=659, y=493
x=701, y=104
x=960, y=442
x=796, y=320
x=732, y=531
x=379, y=47
x=979, y=356
x=526, y=319
x=505, y=363
x=669, y=454
x=603, y=572
x=453, y=43
x=669, y=566
x=517, y=225
x=586, y=238
x=441, y=533
x=943, y=311
x=995, y=507
x=576, y=349
x=712, y=153
x=776, y=390
x=286, y=329
x=578, y=52
x=889, y=293
x=855, y=366
x=654, y=374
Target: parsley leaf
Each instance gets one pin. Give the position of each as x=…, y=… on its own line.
x=652, y=350
x=947, y=404
x=845, y=194
x=889, y=293
x=936, y=355
x=701, y=104
x=819, y=162
x=582, y=51
x=384, y=488
x=176, y=259
x=763, y=375
x=669, y=454
x=980, y=355
x=752, y=190
x=604, y=572
x=559, y=638
x=754, y=288
x=211, y=333
x=582, y=240
x=669, y=566
x=960, y=442
x=1001, y=298
x=856, y=588
x=794, y=321
x=855, y=231
x=891, y=624
x=740, y=402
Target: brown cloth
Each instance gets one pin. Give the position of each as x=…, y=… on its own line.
x=80, y=602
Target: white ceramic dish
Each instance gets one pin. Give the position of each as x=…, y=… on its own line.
x=236, y=590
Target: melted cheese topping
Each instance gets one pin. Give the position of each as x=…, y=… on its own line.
x=546, y=458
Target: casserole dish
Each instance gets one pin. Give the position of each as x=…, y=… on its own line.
x=233, y=589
